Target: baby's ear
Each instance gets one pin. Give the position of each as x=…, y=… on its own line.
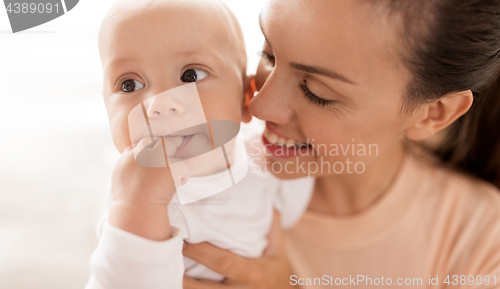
x=246, y=117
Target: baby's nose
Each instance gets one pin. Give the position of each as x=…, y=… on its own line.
x=164, y=105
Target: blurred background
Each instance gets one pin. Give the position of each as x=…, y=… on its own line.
x=56, y=150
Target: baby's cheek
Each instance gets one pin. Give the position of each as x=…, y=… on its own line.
x=223, y=100
x=120, y=135
x=118, y=114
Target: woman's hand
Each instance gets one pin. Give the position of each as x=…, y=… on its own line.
x=271, y=271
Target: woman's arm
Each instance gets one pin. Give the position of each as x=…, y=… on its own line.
x=270, y=271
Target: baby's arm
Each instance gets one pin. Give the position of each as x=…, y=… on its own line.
x=124, y=260
x=138, y=248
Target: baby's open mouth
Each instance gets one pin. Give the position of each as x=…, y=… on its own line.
x=172, y=148
x=172, y=143
x=183, y=144
x=177, y=146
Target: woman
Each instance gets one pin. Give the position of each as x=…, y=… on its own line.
x=389, y=73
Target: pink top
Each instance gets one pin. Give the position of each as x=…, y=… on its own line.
x=432, y=222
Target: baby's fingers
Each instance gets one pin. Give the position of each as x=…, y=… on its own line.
x=171, y=144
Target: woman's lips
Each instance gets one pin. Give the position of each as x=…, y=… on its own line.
x=280, y=147
x=276, y=137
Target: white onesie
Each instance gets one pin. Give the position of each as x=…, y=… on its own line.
x=237, y=219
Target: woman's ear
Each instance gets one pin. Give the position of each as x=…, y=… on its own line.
x=434, y=117
x=246, y=117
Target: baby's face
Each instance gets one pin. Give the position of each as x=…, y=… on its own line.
x=150, y=50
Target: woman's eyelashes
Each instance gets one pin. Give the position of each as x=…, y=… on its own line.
x=131, y=85
x=303, y=86
x=313, y=98
x=193, y=75
x=269, y=57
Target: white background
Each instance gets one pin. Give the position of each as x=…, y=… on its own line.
x=56, y=153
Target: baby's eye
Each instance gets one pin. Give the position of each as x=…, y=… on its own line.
x=131, y=85
x=193, y=75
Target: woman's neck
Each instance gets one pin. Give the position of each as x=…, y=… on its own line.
x=348, y=194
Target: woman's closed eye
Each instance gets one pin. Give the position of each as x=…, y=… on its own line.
x=315, y=99
x=131, y=85
x=269, y=57
x=193, y=75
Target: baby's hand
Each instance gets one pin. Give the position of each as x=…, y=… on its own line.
x=140, y=185
x=171, y=144
x=140, y=198
x=152, y=154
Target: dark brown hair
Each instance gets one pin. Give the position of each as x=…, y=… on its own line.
x=453, y=46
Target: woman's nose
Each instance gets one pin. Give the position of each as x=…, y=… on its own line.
x=164, y=105
x=273, y=102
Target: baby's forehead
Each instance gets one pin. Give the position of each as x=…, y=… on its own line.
x=163, y=30
x=176, y=23
x=202, y=14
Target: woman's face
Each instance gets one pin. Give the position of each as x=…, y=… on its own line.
x=330, y=76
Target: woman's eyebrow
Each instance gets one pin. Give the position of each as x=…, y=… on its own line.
x=310, y=69
x=321, y=71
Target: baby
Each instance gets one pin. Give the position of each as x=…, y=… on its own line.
x=174, y=77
